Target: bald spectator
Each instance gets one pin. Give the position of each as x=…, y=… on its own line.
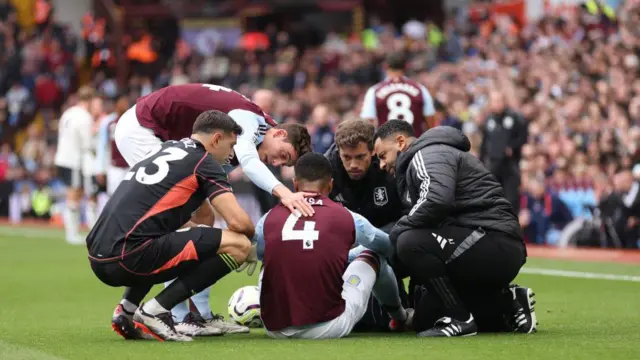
x=265, y=99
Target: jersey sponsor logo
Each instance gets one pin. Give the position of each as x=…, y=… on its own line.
x=380, y=197
x=442, y=241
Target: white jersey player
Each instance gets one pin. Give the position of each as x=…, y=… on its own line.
x=74, y=153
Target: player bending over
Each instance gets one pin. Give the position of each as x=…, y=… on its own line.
x=169, y=113
x=305, y=290
x=138, y=241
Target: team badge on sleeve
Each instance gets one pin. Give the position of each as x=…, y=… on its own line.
x=380, y=197
x=353, y=280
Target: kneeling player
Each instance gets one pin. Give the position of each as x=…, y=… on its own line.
x=305, y=290
x=137, y=241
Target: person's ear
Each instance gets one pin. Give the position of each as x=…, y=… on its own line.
x=401, y=140
x=330, y=186
x=216, y=138
x=295, y=185
x=280, y=133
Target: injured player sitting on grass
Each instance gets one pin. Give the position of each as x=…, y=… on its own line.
x=305, y=291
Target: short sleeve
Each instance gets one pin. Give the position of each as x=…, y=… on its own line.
x=211, y=178
x=369, y=105
x=428, y=108
x=249, y=123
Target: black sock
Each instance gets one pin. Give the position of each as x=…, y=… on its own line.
x=135, y=295
x=204, y=275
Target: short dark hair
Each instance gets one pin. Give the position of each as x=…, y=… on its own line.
x=393, y=127
x=212, y=120
x=396, y=60
x=350, y=133
x=313, y=167
x=298, y=136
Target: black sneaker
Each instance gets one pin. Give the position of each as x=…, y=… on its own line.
x=122, y=324
x=524, y=320
x=448, y=327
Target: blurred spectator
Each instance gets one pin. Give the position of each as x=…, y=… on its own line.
x=321, y=129
x=543, y=214
x=17, y=98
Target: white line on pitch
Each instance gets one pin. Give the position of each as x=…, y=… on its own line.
x=579, y=274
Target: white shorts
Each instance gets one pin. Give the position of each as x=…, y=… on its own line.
x=356, y=290
x=132, y=139
x=115, y=175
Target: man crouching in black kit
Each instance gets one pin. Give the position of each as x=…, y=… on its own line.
x=461, y=239
x=363, y=187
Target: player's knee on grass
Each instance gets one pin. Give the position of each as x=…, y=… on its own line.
x=235, y=245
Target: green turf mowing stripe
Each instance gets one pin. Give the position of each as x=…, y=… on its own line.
x=579, y=274
x=16, y=352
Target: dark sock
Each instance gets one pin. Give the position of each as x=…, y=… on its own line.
x=204, y=275
x=135, y=295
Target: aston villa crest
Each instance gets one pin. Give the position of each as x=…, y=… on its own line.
x=380, y=197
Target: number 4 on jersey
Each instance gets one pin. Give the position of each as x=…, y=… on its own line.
x=308, y=235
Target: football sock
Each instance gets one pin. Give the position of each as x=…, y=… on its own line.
x=201, y=302
x=386, y=291
x=181, y=309
x=153, y=307
x=133, y=296
x=128, y=307
x=203, y=276
x=91, y=213
x=71, y=218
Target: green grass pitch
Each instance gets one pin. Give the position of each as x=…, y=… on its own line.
x=52, y=307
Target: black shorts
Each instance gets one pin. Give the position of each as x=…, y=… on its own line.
x=160, y=259
x=96, y=187
x=72, y=178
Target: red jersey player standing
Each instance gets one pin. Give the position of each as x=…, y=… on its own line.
x=398, y=98
x=305, y=291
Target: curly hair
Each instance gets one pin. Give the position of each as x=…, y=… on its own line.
x=298, y=136
x=350, y=133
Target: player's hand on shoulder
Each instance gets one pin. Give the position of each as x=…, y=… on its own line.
x=297, y=201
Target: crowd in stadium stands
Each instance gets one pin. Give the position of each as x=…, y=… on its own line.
x=574, y=78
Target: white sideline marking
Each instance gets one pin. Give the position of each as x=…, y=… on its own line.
x=579, y=274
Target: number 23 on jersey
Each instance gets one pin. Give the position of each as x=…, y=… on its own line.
x=162, y=161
